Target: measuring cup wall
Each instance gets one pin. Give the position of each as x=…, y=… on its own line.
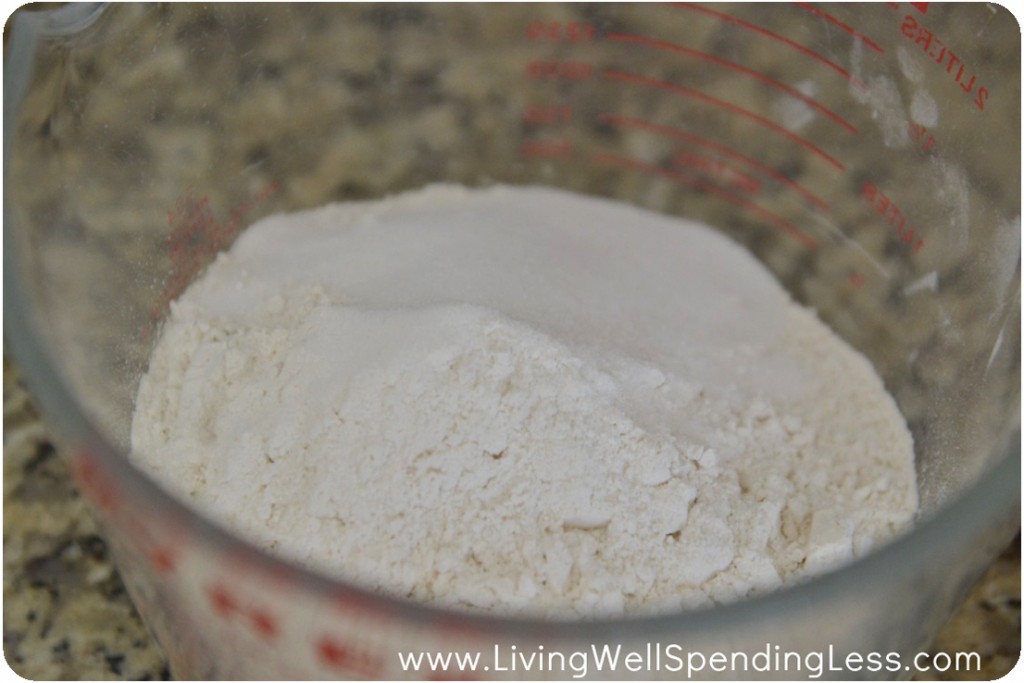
x=869, y=155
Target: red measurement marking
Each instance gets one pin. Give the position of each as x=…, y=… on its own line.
x=765, y=32
x=546, y=149
x=94, y=482
x=722, y=149
x=921, y=7
x=716, y=169
x=222, y=601
x=246, y=570
x=163, y=560
x=792, y=92
x=160, y=538
x=689, y=181
x=886, y=208
x=335, y=654
x=943, y=56
x=728, y=106
x=263, y=623
x=856, y=280
x=846, y=27
x=226, y=605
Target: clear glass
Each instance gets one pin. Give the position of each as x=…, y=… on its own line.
x=868, y=154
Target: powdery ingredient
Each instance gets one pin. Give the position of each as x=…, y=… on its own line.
x=521, y=400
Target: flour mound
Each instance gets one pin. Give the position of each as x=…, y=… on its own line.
x=442, y=449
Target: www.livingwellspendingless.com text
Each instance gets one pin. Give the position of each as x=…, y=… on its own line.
x=672, y=658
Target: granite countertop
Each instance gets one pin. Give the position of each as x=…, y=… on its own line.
x=66, y=612
x=67, y=615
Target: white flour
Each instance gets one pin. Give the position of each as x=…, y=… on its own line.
x=521, y=400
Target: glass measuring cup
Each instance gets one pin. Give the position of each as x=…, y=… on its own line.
x=869, y=155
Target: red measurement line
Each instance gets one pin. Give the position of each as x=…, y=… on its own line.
x=792, y=92
x=636, y=164
x=617, y=120
x=683, y=159
x=765, y=32
x=846, y=27
x=728, y=106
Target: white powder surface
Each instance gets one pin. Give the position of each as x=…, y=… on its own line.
x=521, y=400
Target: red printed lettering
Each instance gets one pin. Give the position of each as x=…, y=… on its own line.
x=888, y=210
x=979, y=101
x=967, y=87
x=953, y=61
x=942, y=55
x=909, y=27
x=920, y=134
x=924, y=39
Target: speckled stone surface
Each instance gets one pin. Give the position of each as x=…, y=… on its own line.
x=66, y=614
x=988, y=622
